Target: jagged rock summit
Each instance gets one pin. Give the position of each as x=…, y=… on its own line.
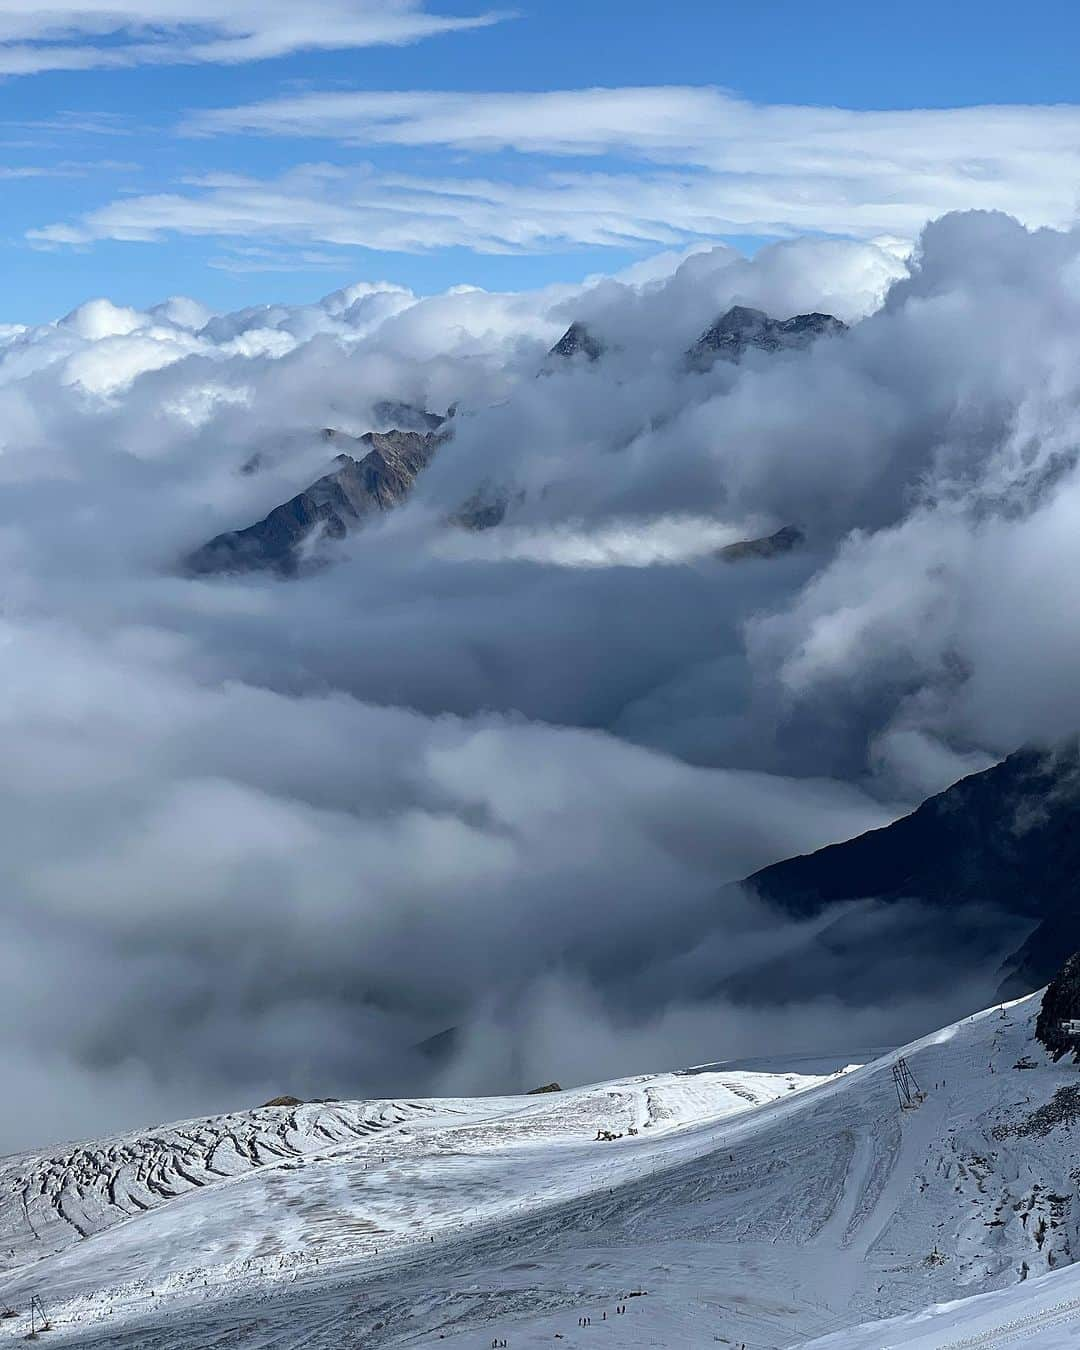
x=577, y=341
x=335, y=504
x=735, y=333
x=1060, y=1011
x=742, y=329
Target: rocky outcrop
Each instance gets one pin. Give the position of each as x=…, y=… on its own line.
x=540, y=1091
x=577, y=342
x=486, y=508
x=771, y=546
x=1060, y=1008
x=742, y=329
x=339, y=502
x=407, y=416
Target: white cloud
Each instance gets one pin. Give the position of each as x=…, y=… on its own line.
x=411, y=787
x=664, y=121
x=921, y=160
x=395, y=212
x=666, y=540
x=83, y=34
x=63, y=169
x=702, y=165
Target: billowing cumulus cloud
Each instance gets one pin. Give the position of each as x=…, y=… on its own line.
x=263, y=836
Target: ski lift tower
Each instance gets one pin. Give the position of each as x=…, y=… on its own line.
x=38, y=1320
x=908, y=1092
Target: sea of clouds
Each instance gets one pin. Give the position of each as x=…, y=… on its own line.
x=263, y=836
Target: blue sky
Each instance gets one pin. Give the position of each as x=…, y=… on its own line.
x=199, y=162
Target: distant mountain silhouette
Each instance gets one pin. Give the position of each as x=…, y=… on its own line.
x=771, y=546
x=1006, y=841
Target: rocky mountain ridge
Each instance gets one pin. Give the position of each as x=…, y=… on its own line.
x=742, y=329
x=738, y=330
x=577, y=341
x=352, y=491
x=357, y=486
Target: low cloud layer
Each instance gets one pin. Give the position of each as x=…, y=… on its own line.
x=265, y=836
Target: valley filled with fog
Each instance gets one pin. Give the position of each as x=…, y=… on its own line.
x=266, y=834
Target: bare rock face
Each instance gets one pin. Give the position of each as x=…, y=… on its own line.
x=1060, y=1009
x=577, y=341
x=330, y=508
x=540, y=1091
x=283, y=1101
x=742, y=329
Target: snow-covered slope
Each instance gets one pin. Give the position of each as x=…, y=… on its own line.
x=1043, y=1312
x=737, y=1207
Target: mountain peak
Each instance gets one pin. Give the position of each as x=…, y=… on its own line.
x=742, y=318
x=332, y=506
x=578, y=341
x=740, y=328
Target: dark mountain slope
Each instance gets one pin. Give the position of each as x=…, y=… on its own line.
x=771, y=546
x=1060, y=1011
x=1006, y=840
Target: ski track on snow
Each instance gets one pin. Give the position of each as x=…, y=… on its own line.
x=764, y=1209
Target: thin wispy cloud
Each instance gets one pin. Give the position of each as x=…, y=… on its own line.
x=402, y=213
x=610, y=168
x=664, y=121
x=89, y=34
x=703, y=127
x=65, y=169
x=241, y=260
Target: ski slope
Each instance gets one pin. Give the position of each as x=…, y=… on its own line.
x=1043, y=1312
x=738, y=1206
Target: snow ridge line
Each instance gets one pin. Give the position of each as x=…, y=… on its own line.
x=1012, y=1331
